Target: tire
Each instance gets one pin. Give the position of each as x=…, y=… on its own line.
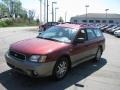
x=61, y=68
x=98, y=55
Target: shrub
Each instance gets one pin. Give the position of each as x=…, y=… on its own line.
x=3, y=24
x=9, y=22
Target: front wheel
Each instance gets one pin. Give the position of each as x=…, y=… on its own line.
x=61, y=68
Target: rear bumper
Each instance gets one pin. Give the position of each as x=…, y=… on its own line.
x=30, y=68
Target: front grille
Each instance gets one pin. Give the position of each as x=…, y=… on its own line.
x=17, y=55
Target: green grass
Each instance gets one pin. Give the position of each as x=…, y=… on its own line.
x=23, y=24
x=17, y=23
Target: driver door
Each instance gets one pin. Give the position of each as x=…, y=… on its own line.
x=79, y=50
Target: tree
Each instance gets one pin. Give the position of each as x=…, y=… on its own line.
x=3, y=9
x=23, y=14
x=31, y=15
x=13, y=8
x=7, y=3
x=17, y=8
x=60, y=19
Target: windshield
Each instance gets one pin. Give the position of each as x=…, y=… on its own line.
x=57, y=33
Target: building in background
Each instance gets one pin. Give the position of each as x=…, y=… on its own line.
x=97, y=18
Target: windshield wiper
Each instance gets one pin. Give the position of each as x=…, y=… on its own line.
x=39, y=37
x=51, y=39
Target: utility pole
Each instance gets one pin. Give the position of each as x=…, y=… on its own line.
x=40, y=11
x=44, y=11
x=56, y=13
x=47, y=11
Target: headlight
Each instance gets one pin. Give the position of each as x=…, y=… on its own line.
x=37, y=58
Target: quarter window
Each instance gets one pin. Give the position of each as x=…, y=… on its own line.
x=98, y=32
x=91, y=35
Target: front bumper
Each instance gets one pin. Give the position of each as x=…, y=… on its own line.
x=117, y=34
x=30, y=68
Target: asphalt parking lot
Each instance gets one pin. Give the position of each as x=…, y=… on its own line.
x=104, y=75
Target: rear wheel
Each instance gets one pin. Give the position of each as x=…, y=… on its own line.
x=98, y=55
x=61, y=68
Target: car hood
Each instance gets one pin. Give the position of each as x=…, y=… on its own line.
x=118, y=31
x=37, y=46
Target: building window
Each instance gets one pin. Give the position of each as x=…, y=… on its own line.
x=91, y=21
x=111, y=21
x=104, y=21
x=84, y=21
x=97, y=21
x=75, y=21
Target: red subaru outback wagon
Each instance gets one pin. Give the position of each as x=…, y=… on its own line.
x=56, y=50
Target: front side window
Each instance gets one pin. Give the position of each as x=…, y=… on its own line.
x=61, y=34
x=90, y=34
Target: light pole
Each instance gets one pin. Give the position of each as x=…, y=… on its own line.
x=53, y=11
x=40, y=11
x=86, y=12
x=106, y=10
x=56, y=13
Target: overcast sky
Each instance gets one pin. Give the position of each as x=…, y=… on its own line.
x=75, y=7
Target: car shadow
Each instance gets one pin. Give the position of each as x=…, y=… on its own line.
x=13, y=81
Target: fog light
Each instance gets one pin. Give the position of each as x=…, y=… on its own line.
x=34, y=73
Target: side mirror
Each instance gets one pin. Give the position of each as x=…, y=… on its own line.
x=79, y=40
x=39, y=34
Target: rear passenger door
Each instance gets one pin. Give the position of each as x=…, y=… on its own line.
x=91, y=43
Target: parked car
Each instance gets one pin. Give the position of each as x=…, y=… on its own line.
x=113, y=30
x=47, y=25
x=104, y=28
x=117, y=33
x=56, y=50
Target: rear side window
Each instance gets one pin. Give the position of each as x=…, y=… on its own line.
x=90, y=34
x=98, y=32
